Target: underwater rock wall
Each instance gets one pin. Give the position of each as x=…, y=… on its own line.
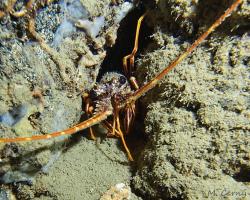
x=197, y=120
x=41, y=90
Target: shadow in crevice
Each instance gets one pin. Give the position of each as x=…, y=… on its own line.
x=125, y=42
x=243, y=175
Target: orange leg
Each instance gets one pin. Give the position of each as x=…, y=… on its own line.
x=89, y=112
x=120, y=133
x=128, y=68
x=117, y=126
x=115, y=130
x=109, y=128
x=129, y=117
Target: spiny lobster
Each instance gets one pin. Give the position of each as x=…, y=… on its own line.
x=117, y=102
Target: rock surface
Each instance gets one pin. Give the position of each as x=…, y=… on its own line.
x=40, y=89
x=197, y=118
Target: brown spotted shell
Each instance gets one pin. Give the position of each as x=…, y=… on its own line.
x=111, y=84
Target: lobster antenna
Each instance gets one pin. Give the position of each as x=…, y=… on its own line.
x=86, y=124
x=151, y=84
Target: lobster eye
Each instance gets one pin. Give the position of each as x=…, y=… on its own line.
x=122, y=80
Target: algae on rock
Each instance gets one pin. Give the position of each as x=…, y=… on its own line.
x=197, y=119
x=40, y=90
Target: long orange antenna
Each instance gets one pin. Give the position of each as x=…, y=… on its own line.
x=89, y=122
x=160, y=76
x=102, y=116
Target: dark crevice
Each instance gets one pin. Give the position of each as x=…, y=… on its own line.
x=136, y=139
x=125, y=42
x=243, y=175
